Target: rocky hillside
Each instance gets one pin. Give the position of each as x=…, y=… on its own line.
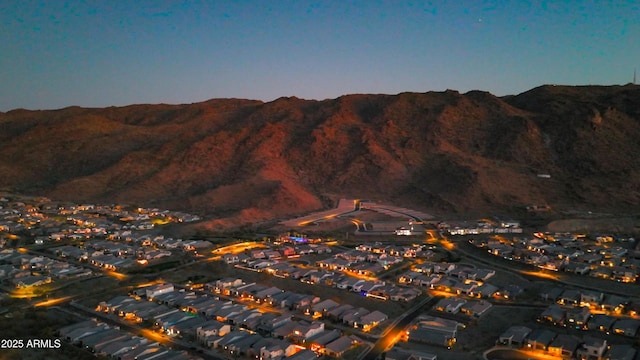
x=242, y=161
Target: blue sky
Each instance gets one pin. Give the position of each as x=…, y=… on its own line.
x=101, y=53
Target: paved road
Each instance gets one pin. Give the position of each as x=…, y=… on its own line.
x=394, y=331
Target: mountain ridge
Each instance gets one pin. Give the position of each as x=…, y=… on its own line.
x=242, y=161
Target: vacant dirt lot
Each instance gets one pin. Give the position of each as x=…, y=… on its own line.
x=625, y=225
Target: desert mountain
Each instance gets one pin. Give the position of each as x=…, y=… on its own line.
x=243, y=161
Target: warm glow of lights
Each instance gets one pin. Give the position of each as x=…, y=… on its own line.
x=240, y=248
x=24, y=293
x=448, y=244
x=392, y=338
x=159, y=221
x=541, y=274
x=52, y=302
x=441, y=293
x=150, y=334
x=143, y=261
x=360, y=276
x=155, y=282
x=23, y=250
x=116, y=275
x=538, y=354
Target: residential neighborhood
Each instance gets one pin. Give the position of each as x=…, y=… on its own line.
x=137, y=291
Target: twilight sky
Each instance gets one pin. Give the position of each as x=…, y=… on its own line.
x=100, y=53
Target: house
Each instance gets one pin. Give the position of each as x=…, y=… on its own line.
x=242, y=318
x=211, y=328
x=514, y=336
x=405, y=294
x=577, y=268
x=591, y=298
x=627, y=327
x=112, y=305
x=601, y=322
x=284, y=331
x=242, y=346
x=230, y=258
x=602, y=272
x=569, y=297
x=485, y=290
x=319, y=342
x=225, y=283
x=229, y=338
x=29, y=281
x=554, y=314
x=348, y=283
x=464, y=288
x=74, y=332
x=276, y=349
x=620, y=352
x=336, y=312
x=352, y=317
x=450, y=305
x=104, y=337
x=371, y=320
x=592, y=349
x=510, y=292
x=551, y=294
x=303, y=355
x=624, y=274
x=304, y=331
x=117, y=348
x=269, y=322
x=564, y=346
x=321, y=308
x=476, y=308
x=434, y=330
x=281, y=270
x=140, y=310
x=145, y=351
x=614, y=303
x=229, y=311
x=204, y=305
x=288, y=250
x=302, y=302
x=338, y=347
x=266, y=294
x=443, y=268
x=280, y=299
x=186, y=326
x=539, y=339
x=578, y=317
x=432, y=337
x=155, y=290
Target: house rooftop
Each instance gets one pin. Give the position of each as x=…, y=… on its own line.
x=339, y=345
x=516, y=333
x=542, y=336
x=621, y=352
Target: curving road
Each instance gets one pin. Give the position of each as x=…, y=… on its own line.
x=394, y=331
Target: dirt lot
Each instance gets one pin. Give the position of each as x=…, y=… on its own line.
x=625, y=225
